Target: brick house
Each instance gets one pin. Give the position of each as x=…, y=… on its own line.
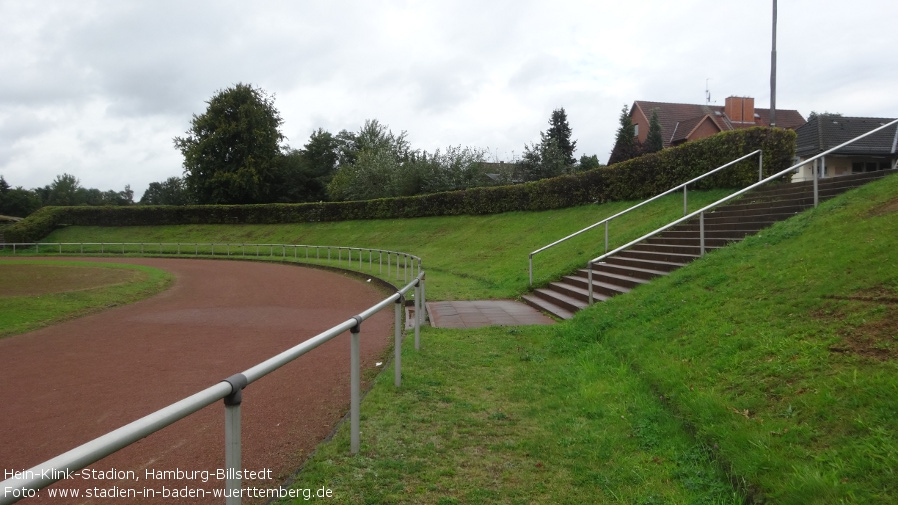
x=681, y=122
x=823, y=132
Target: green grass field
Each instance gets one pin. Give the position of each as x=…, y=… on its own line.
x=763, y=373
x=34, y=294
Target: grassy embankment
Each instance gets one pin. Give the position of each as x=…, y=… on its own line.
x=466, y=257
x=768, y=367
x=774, y=359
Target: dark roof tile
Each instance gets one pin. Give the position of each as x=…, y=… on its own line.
x=823, y=132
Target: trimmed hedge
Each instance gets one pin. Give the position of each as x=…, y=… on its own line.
x=638, y=178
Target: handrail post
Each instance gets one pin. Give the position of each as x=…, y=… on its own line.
x=423, y=317
x=417, y=322
x=606, y=235
x=233, y=464
x=760, y=166
x=589, y=282
x=397, y=342
x=530, y=267
x=354, y=386
x=701, y=234
x=817, y=168
x=684, y=202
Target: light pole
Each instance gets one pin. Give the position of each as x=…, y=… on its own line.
x=773, y=72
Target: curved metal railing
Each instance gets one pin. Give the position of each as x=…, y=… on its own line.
x=398, y=265
x=26, y=483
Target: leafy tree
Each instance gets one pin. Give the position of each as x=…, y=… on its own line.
x=230, y=151
x=625, y=144
x=296, y=179
x=589, y=162
x=653, y=141
x=65, y=190
x=18, y=202
x=544, y=160
x=172, y=191
x=369, y=162
x=303, y=175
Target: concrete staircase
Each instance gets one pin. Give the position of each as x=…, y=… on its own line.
x=679, y=246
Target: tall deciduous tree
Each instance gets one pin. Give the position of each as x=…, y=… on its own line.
x=17, y=201
x=172, y=191
x=65, y=190
x=230, y=151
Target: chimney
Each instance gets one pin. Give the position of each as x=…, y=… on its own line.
x=740, y=109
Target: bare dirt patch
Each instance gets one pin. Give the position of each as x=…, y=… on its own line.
x=35, y=280
x=886, y=208
x=867, y=322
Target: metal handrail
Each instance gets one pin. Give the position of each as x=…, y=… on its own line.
x=701, y=212
x=669, y=191
x=23, y=484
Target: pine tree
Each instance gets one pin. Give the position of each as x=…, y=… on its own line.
x=653, y=141
x=560, y=131
x=625, y=144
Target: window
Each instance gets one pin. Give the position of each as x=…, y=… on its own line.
x=636, y=130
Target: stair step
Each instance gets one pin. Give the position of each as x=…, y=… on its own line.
x=547, y=306
x=671, y=249
x=679, y=245
x=691, y=241
x=658, y=266
x=638, y=268
x=619, y=283
x=562, y=300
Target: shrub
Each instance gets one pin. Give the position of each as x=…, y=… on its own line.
x=634, y=179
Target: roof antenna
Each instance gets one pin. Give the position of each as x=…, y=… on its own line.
x=707, y=92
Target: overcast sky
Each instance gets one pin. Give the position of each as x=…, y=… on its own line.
x=98, y=89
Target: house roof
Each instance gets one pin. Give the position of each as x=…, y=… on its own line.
x=678, y=119
x=823, y=132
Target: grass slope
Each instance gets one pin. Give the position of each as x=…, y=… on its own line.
x=466, y=257
x=774, y=360
x=764, y=372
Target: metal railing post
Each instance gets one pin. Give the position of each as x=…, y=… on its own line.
x=817, y=167
x=423, y=317
x=606, y=236
x=530, y=267
x=701, y=234
x=397, y=342
x=761, y=166
x=589, y=282
x=233, y=463
x=417, y=322
x=684, y=204
x=354, y=386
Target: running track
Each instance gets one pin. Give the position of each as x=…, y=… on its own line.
x=69, y=383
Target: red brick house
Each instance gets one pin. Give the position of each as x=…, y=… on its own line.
x=681, y=122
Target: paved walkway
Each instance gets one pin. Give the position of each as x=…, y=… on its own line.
x=475, y=314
